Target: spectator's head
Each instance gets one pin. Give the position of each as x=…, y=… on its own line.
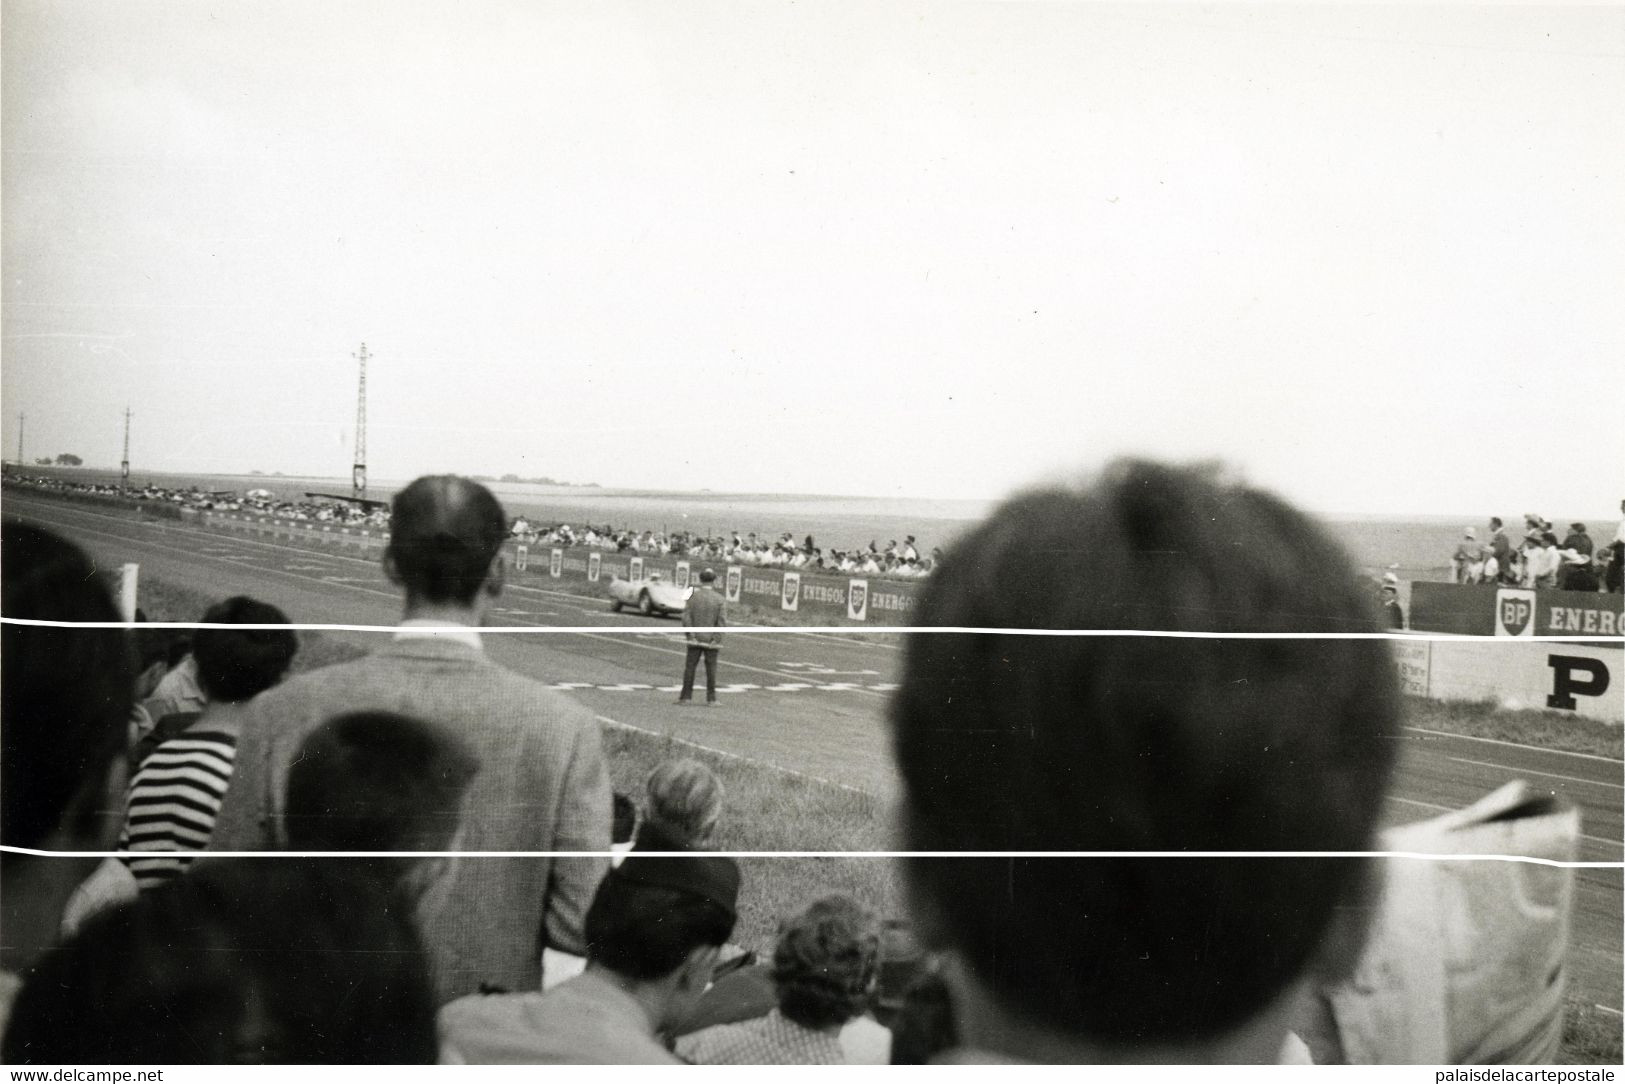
x=707, y=576
x=1142, y=743
x=234, y=665
x=1495, y=523
x=684, y=803
x=237, y=962
x=1548, y=539
x=658, y=923
x=377, y=781
x=1578, y=528
x=825, y=962
x=67, y=696
x=445, y=541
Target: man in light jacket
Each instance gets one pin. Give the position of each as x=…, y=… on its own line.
x=541, y=786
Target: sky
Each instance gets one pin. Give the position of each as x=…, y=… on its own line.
x=1372, y=257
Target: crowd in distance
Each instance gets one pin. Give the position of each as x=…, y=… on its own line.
x=897, y=560
x=1538, y=560
x=1004, y=745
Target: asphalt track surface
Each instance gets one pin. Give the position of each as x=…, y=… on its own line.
x=808, y=703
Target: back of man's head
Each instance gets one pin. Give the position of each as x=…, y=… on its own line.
x=444, y=534
x=1135, y=743
x=650, y=914
x=377, y=781
x=67, y=692
x=234, y=665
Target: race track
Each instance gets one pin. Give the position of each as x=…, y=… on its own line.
x=804, y=702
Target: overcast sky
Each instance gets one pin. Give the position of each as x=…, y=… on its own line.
x=1373, y=256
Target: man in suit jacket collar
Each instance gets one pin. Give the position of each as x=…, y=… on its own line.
x=542, y=784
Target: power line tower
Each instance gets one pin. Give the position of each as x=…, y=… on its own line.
x=124, y=464
x=358, y=473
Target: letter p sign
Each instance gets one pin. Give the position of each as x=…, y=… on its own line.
x=1573, y=674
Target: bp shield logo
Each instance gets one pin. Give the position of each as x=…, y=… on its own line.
x=595, y=561
x=734, y=581
x=857, y=600
x=635, y=573
x=519, y=558
x=555, y=564
x=682, y=574
x=1514, y=612
x=792, y=590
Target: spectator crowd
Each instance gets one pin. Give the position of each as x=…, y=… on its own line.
x=1537, y=559
x=898, y=560
x=613, y=939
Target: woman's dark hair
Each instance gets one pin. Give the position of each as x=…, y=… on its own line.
x=824, y=963
x=234, y=665
x=1133, y=743
x=377, y=781
x=67, y=692
x=247, y=961
x=646, y=931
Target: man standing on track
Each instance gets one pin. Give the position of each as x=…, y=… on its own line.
x=541, y=786
x=705, y=610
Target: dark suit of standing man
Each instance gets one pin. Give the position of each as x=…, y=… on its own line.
x=705, y=610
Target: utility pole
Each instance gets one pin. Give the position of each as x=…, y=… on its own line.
x=22, y=420
x=124, y=464
x=358, y=473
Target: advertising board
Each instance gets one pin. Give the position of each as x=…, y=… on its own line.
x=1489, y=610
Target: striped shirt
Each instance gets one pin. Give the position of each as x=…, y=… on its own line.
x=173, y=801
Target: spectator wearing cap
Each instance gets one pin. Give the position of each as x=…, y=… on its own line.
x=1576, y=573
x=1468, y=560
x=705, y=613
x=1544, y=560
x=654, y=932
x=542, y=785
x=824, y=969
x=1393, y=613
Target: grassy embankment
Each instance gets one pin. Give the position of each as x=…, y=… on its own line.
x=768, y=810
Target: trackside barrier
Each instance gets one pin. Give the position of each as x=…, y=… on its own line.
x=820, y=599
x=1489, y=610
x=1579, y=678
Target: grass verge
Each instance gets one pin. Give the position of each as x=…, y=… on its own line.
x=768, y=810
x=1545, y=729
x=1590, y=1036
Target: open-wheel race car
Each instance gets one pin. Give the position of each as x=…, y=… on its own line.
x=651, y=596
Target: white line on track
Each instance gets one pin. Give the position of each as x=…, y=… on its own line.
x=1544, y=775
x=1513, y=745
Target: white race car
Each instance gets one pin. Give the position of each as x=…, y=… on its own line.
x=651, y=596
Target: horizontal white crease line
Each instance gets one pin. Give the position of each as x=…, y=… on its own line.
x=1419, y=855
x=677, y=630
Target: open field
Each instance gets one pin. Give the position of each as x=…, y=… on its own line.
x=1420, y=546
